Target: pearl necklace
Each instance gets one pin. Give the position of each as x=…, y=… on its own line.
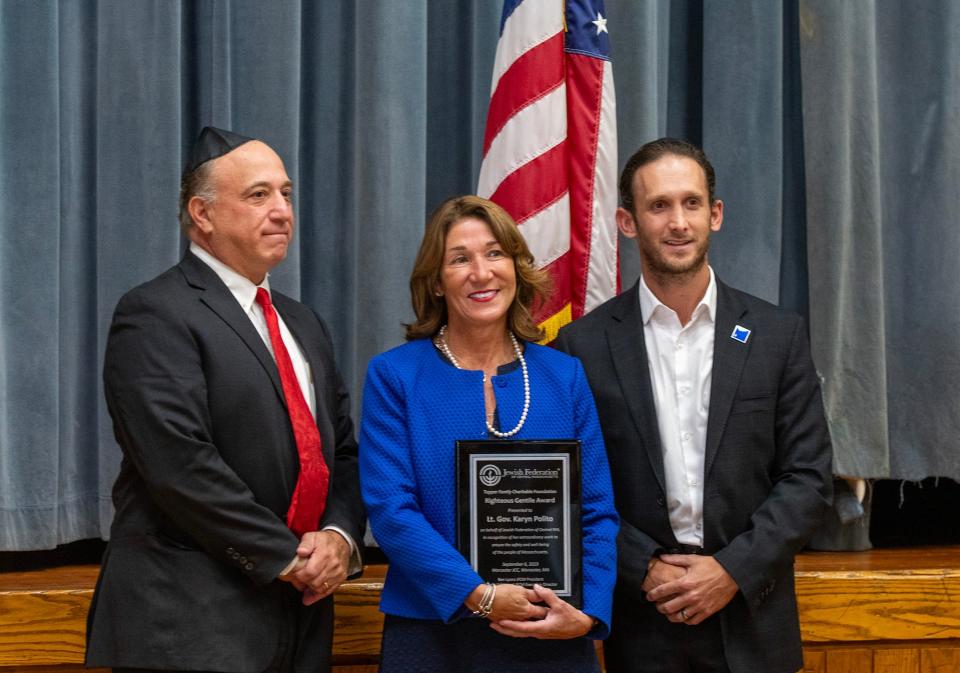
x=441, y=343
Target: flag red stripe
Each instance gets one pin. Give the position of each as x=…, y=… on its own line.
x=559, y=271
x=535, y=185
x=584, y=96
x=536, y=73
x=540, y=156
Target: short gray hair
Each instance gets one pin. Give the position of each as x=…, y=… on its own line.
x=196, y=183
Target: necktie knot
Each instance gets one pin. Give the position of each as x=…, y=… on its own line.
x=263, y=298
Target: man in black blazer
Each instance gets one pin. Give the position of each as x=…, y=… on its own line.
x=718, y=446
x=203, y=572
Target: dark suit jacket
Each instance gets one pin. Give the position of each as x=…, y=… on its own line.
x=767, y=477
x=209, y=466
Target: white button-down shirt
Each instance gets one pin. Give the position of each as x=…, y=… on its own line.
x=681, y=366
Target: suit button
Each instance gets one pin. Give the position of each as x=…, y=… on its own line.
x=229, y=551
x=243, y=559
x=249, y=566
x=235, y=555
x=660, y=501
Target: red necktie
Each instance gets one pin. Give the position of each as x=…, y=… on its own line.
x=310, y=496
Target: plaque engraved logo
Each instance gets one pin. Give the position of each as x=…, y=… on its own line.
x=490, y=475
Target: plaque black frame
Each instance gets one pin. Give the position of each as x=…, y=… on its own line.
x=568, y=580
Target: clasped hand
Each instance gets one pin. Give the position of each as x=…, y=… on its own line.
x=535, y=613
x=688, y=588
x=322, y=561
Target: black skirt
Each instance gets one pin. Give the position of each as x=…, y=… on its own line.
x=471, y=646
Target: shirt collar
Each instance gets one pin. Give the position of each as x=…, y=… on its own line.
x=240, y=286
x=649, y=303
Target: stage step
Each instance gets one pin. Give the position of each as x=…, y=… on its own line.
x=881, y=611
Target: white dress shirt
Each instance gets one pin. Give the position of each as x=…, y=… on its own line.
x=681, y=366
x=245, y=293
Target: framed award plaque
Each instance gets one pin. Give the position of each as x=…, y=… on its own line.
x=518, y=512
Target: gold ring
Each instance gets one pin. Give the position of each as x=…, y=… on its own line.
x=683, y=613
x=326, y=587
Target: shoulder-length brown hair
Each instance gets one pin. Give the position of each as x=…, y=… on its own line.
x=533, y=284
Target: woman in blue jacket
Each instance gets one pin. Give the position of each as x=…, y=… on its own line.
x=471, y=371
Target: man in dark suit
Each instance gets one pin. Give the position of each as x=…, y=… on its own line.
x=237, y=503
x=714, y=426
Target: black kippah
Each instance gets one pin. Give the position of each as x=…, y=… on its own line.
x=212, y=143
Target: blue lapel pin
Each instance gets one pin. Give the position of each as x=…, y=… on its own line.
x=740, y=334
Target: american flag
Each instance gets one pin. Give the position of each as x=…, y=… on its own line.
x=550, y=147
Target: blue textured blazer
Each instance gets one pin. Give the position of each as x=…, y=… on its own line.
x=415, y=406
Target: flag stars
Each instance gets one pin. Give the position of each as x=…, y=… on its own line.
x=601, y=24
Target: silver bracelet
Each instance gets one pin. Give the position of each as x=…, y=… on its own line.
x=486, y=594
x=485, y=606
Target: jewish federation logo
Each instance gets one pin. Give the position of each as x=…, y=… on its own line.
x=490, y=475
x=740, y=334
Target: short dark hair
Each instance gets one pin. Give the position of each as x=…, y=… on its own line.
x=533, y=284
x=198, y=182
x=657, y=149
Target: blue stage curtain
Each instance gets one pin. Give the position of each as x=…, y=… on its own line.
x=833, y=128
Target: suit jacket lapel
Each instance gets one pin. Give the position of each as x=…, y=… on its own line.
x=218, y=298
x=629, y=352
x=729, y=356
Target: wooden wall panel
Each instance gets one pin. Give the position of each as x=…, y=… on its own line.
x=884, y=611
x=896, y=661
x=814, y=661
x=359, y=621
x=940, y=660
x=883, y=657
x=858, y=660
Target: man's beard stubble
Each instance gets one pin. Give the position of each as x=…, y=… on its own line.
x=668, y=272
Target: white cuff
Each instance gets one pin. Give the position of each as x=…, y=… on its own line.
x=356, y=563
